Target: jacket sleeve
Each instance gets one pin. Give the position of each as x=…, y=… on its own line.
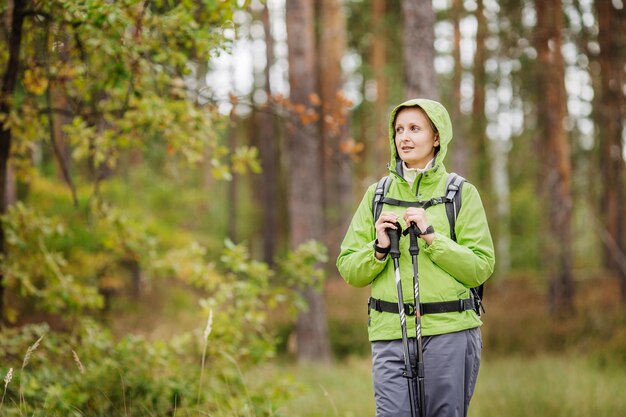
x=357, y=263
x=471, y=259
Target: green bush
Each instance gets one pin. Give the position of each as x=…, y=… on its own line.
x=87, y=373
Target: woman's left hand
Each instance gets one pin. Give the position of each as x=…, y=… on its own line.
x=418, y=216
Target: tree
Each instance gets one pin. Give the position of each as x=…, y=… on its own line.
x=612, y=39
x=554, y=153
x=461, y=156
x=9, y=80
x=118, y=70
x=334, y=127
x=268, y=150
x=420, y=78
x=379, y=64
x=305, y=184
x=479, y=139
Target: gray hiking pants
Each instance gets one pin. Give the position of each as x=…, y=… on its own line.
x=451, y=363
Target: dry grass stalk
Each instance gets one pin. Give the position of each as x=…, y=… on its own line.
x=81, y=368
x=209, y=326
x=7, y=379
x=207, y=332
x=30, y=351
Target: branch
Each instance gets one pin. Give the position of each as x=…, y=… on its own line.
x=53, y=140
x=134, y=67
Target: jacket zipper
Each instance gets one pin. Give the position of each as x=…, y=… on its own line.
x=417, y=189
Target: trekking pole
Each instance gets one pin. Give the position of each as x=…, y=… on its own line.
x=414, y=250
x=394, y=251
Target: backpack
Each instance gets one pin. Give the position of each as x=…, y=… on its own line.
x=452, y=200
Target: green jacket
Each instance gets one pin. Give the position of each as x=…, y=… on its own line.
x=447, y=269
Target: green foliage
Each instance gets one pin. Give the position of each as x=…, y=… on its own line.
x=300, y=269
x=301, y=266
x=88, y=373
x=34, y=270
x=135, y=375
x=102, y=83
x=117, y=76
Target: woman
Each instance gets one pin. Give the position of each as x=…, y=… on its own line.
x=420, y=132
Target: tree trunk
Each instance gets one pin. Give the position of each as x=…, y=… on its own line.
x=611, y=116
x=305, y=184
x=554, y=154
x=379, y=62
x=57, y=99
x=233, y=207
x=268, y=153
x=461, y=156
x=9, y=80
x=479, y=139
x=420, y=79
x=336, y=164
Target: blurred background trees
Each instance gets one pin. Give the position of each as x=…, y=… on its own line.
x=164, y=161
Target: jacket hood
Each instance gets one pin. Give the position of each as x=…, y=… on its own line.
x=439, y=117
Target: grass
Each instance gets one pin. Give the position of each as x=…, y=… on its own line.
x=546, y=386
x=552, y=386
x=343, y=389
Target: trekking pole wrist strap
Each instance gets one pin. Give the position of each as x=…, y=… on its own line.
x=427, y=231
x=381, y=250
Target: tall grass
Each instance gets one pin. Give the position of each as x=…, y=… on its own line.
x=7, y=380
x=544, y=386
x=552, y=386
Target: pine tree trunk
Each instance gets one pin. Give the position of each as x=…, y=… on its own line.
x=305, y=182
x=461, y=156
x=554, y=154
x=268, y=152
x=379, y=62
x=336, y=164
x=9, y=81
x=419, y=49
x=611, y=115
x=480, y=152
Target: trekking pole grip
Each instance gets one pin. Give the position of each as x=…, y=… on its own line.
x=414, y=232
x=394, y=238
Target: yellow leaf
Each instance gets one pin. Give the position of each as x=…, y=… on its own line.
x=35, y=82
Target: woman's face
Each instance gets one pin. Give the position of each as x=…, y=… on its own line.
x=415, y=137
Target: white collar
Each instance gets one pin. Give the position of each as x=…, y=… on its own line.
x=411, y=173
x=429, y=165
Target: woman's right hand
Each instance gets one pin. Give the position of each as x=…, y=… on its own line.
x=387, y=220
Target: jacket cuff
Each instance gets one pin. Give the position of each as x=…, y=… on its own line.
x=373, y=255
x=436, y=248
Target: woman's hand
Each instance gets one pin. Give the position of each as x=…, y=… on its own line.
x=387, y=220
x=418, y=216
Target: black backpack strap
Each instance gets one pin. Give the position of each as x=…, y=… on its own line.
x=454, y=186
x=420, y=203
x=381, y=191
x=453, y=200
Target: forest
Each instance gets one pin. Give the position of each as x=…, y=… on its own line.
x=176, y=179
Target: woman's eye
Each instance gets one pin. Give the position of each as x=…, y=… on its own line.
x=414, y=128
x=398, y=130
